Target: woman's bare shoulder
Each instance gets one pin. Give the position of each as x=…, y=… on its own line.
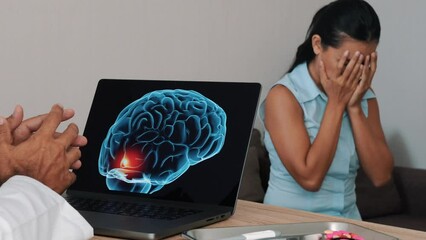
x=280, y=96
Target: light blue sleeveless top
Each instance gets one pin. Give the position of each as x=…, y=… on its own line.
x=337, y=194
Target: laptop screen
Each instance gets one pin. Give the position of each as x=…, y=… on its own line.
x=171, y=140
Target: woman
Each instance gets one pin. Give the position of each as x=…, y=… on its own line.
x=322, y=118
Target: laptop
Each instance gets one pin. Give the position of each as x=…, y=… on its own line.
x=163, y=156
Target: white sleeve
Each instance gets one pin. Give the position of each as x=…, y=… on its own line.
x=31, y=210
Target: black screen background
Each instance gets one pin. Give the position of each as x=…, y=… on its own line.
x=212, y=181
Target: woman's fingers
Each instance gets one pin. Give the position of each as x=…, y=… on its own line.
x=323, y=73
x=373, y=65
x=341, y=64
x=365, y=76
x=355, y=75
x=352, y=65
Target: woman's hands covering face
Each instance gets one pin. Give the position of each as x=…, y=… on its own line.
x=353, y=78
x=367, y=74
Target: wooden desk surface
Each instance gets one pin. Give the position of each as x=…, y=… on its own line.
x=250, y=213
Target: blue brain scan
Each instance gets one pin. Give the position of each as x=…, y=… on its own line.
x=156, y=138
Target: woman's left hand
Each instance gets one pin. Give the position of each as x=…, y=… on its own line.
x=368, y=71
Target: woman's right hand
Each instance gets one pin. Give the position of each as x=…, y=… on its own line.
x=340, y=86
x=368, y=70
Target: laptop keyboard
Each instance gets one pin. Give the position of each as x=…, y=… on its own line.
x=130, y=209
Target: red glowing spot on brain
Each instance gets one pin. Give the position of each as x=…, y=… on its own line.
x=130, y=159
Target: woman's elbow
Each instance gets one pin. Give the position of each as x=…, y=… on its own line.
x=383, y=177
x=309, y=181
x=311, y=185
x=381, y=181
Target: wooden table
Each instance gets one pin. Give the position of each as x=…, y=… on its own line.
x=250, y=213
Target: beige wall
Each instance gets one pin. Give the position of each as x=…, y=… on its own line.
x=56, y=50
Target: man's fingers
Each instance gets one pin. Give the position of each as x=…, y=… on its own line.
x=68, y=114
x=72, y=178
x=16, y=118
x=73, y=155
x=69, y=136
x=76, y=165
x=52, y=120
x=34, y=123
x=5, y=133
x=69, y=179
x=31, y=125
x=80, y=141
x=26, y=128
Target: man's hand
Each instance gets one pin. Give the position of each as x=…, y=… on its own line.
x=22, y=129
x=41, y=153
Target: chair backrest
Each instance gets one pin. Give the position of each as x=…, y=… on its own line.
x=256, y=171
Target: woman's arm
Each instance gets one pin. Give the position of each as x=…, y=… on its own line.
x=373, y=151
x=307, y=163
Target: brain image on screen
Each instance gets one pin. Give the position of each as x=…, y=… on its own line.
x=158, y=137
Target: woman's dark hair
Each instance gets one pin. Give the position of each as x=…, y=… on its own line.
x=353, y=18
